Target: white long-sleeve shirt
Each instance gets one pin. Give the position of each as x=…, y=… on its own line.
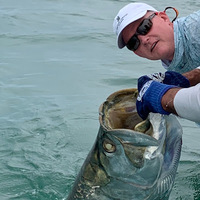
x=187, y=103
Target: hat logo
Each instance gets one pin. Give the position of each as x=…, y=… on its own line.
x=120, y=20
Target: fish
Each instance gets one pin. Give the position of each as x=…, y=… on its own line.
x=131, y=159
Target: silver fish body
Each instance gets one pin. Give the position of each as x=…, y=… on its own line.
x=125, y=164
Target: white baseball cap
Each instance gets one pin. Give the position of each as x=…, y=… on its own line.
x=127, y=15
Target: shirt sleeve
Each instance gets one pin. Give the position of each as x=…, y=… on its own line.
x=187, y=103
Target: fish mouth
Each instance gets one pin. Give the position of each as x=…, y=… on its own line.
x=119, y=112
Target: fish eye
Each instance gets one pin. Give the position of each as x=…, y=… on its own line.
x=109, y=146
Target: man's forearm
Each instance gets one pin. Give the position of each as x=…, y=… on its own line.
x=184, y=102
x=167, y=100
x=193, y=76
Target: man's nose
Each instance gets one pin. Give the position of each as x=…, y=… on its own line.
x=144, y=39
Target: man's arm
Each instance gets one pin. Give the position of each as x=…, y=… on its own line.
x=165, y=99
x=183, y=102
x=193, y=76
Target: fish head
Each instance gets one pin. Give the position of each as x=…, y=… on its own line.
x=137, y=153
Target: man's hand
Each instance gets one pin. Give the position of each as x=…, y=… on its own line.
x=169, y=78
x=149, y=97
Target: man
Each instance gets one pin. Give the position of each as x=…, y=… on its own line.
x=151, y=34
x=155, y=37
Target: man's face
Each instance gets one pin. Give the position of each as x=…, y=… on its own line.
x=158, y=43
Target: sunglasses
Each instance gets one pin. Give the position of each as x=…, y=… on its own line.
x=143, y=29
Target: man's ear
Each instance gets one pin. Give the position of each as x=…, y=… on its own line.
x=164, y=16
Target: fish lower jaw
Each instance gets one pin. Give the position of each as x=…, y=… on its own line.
x=167, y=179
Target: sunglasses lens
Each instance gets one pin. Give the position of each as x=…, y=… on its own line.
x=133, y=43
x=144, y=27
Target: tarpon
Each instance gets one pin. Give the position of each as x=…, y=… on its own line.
x=131, y=159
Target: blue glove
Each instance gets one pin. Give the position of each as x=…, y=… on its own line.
x=149, y=98
x=169, y=78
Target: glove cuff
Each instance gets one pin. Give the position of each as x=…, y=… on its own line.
x=177, y=79
x=156, y=94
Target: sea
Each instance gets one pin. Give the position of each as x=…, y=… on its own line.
x=59, y=62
